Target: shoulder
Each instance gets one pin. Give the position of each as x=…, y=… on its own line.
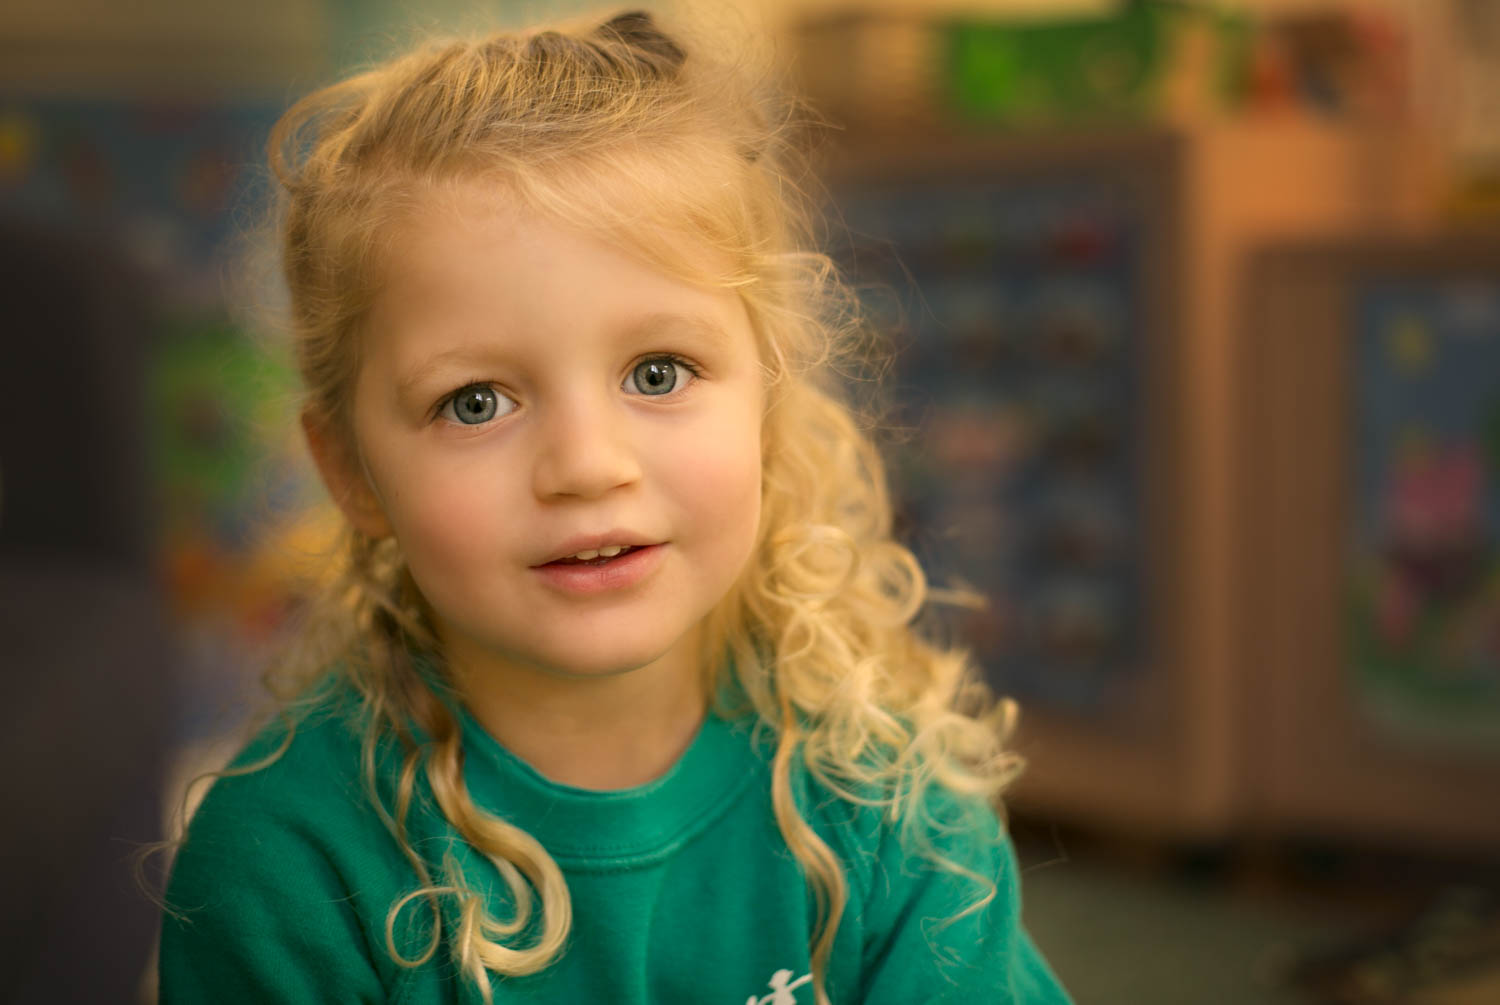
x=301, y=770
x=935, y=898
x=858, y=821
x=886, y=847
x=286, y=872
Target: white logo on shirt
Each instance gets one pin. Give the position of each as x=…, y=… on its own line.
x=781, y=991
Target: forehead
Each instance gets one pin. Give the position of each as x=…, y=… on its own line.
x=448, y=236
x=468, y=263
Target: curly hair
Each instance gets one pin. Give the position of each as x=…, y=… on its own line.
x=636, y=135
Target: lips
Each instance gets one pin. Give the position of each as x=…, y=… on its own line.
x=601, y=576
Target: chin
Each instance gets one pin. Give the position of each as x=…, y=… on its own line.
x=611, y=662
x=592, y=651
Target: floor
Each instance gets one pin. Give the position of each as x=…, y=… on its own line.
x=1119, y=936
x=1134, y=926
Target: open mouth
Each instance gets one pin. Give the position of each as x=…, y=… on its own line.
x=603, y=556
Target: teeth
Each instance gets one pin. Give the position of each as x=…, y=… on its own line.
x=608, y=551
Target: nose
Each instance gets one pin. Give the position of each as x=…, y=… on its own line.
x=584, y=450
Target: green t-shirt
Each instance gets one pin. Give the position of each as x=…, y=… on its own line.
x=683, y=890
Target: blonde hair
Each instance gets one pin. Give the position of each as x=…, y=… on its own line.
x=623, y=129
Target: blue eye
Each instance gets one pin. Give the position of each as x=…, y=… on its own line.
x=658, y=375
x=475, y=405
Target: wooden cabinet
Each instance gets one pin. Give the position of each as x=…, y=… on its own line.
x=1189, y=734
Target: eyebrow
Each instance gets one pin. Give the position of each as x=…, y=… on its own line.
x=692, y=324
x=470, y=357
x=467, y=357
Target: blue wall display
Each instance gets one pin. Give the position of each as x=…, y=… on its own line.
x=180, y=191
x=1016, y=312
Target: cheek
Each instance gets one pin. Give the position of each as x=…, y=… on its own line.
x=444, y=519
x=439, y=525
x=719, y=480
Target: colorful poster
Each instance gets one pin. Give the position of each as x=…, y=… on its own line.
x=1424, y=614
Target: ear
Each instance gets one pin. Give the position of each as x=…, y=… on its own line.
x=345, y=477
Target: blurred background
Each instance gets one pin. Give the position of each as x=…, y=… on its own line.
x=1197, y=317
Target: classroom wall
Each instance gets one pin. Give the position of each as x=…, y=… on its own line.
x=275, y=46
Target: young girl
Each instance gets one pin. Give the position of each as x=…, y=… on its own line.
x=617, y=697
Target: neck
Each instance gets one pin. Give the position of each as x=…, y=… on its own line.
x=604, y=733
